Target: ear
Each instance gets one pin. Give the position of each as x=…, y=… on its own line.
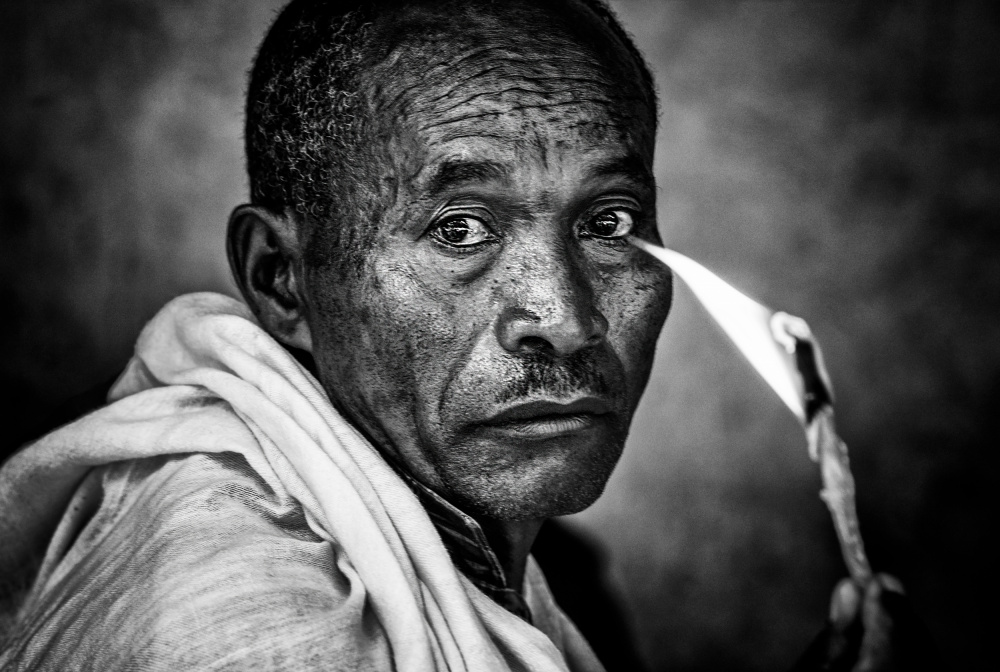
x=265, y=254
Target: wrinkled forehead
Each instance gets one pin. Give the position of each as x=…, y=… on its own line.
x=517, y=72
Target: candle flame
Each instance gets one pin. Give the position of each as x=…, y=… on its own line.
x=747, y=323
x=783, y=351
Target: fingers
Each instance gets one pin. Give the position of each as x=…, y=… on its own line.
x=871, y=629
x=895, y=638
x=877, y=644
x=835, y=648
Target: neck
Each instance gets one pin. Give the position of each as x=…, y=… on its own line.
x=511, y=542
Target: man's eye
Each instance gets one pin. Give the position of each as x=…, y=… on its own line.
x=462, y=231
x=608, y=224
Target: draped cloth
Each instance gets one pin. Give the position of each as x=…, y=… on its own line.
x=206, y=379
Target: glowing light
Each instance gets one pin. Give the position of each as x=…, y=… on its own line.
x=770, y=341
x=745, y=321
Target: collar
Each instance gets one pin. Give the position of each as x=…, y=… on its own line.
x=468, y=547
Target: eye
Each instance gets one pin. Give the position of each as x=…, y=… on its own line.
x=462, y=231
x=609, y=224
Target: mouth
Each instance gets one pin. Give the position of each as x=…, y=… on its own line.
x=546, y=419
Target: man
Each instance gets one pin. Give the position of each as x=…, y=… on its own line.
x=446, y=334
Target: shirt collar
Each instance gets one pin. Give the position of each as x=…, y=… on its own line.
x=468, y=547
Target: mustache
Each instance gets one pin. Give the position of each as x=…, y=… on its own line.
x=540, y=373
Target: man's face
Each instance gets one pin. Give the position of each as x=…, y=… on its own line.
x=501, y=331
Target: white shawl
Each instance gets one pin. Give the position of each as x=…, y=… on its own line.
x=285, y=427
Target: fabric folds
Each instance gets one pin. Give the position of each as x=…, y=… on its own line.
x=206, y=378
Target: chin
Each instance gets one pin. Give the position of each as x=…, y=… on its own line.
x=552, y=483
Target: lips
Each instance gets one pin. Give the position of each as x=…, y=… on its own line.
x=546, y=418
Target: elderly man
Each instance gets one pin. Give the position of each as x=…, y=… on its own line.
x=445, y=336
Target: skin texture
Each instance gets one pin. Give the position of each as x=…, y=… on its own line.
x=509, y=160
x=510, y=148
x=536, y=310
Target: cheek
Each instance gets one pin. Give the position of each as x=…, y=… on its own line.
x=636, y=304
x=416, y=336
x=360, y=352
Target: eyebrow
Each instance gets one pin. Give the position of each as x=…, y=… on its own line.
x=631, y=167
x=458, y=172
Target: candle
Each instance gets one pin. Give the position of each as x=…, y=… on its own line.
x=783, y=350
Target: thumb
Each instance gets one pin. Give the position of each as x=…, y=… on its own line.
x=844, y=605
x=836, y=648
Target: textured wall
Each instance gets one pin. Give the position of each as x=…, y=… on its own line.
x=837, y=160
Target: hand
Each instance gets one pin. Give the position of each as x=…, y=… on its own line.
x=871, y=629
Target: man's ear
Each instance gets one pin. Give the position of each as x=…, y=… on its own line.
x=265, y=254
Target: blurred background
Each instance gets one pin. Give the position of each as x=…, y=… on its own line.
x=837, y=160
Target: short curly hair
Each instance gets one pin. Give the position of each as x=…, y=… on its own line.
x=303, y=118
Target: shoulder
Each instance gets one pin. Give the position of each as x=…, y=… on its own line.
x=193, y=561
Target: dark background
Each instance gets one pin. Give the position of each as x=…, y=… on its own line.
x=838, y=160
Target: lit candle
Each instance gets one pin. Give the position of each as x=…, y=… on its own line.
x=782, y=349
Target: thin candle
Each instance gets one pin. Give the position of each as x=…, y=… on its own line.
x=783, y=350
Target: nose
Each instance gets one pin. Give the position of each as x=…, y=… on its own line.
x=550, y=306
